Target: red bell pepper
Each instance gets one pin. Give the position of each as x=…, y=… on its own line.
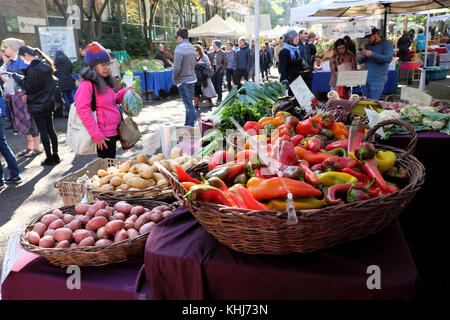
x=285, y=153
x=297, y=139
x=312, y=157
x=285, y=130
x=308, y=126
x=252, y=128
x=310, y=176
x=184, y=177
x=355, y=135
x=247, y=155
x=337, y=144
x=250, y=201
x=314, y=144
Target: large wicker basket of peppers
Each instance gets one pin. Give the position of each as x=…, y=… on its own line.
x=331, y=185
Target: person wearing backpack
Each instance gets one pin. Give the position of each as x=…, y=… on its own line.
x=97, y=80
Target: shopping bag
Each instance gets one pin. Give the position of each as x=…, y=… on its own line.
x=132, y=103
x=129, y=133
x=78, y=138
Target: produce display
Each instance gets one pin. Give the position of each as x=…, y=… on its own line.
x=96, y=224
x=140, y=174
x=250, y=102
x=319, y=161
x=151, y=65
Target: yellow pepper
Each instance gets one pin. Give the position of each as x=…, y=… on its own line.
x=333, y=177
x=260, y=137
x=385, y=160
x=301, y=203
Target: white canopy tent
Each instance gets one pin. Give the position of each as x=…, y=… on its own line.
x=239, y=27
x=215, y=27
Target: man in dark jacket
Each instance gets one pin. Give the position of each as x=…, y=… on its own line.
x=305, y=53
x=218, y=60
x=243, y=62
x=159, y=55
x=403, y=46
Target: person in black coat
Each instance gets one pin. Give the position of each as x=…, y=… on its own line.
x=403, y=46
x=264, y=62
x=39, y=85
x=290, y=60
x=66, y=82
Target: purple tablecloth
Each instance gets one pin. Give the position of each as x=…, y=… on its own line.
x=183, y=261
x=425, y=220
x=33, y=278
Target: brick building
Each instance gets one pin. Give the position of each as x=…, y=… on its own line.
x=18, y=17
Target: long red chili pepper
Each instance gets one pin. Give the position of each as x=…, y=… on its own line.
x=330, y=194
x=203, y=192
x=358, y=175
x=250, y=201
x=184, y=177
x=236, y=198
x=310, y=176
x=370, y=167
x=338, y=144
x=355, y=135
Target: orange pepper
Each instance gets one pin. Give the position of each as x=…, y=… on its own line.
x=265, y=121
x=340, y=130
x=277, y=122
x=188, y=185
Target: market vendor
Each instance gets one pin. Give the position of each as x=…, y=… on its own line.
x=376, y=56
x=159, y=55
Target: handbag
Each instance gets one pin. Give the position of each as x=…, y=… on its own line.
x=78, y=138
x=129, y=133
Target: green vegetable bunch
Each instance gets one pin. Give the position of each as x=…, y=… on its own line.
x=151, y=65
x=242, y=112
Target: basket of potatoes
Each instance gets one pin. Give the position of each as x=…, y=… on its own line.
x=140, y=179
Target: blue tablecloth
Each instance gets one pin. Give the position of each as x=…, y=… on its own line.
x=322, y=79
x=157, y=80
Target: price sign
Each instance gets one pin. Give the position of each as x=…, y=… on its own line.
x=414, y=95
x=352, y=78
x=302, y=93
x=12, y=252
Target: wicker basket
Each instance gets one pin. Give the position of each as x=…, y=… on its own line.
x=90, y=256
x=266, y=232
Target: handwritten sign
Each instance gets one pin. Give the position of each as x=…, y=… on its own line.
x=414, y=95
x=352, y=78
x=152, y=144
x=302, y=93
x=12, y=252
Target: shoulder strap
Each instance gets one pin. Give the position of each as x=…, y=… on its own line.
x=93, y=100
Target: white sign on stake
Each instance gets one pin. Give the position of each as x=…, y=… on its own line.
x=351, y=78
x=302, y=93
x=12, y=252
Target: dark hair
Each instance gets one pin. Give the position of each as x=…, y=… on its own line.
x=199, y=48
x=339, y=42
x=60, y=58
x=36, y=52
x=183, y=33
x=420, y=30
x=347, y=39
x=90, y=74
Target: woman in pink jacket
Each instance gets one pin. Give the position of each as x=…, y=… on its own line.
x=97, y=77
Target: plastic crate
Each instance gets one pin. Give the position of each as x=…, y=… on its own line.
x=437, y=73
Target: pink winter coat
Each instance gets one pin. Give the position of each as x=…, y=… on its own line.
x=108, y=114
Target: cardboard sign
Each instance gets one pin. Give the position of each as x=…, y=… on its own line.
x=12, y=252
x=414, y=95
x=352, y=78
x=302, y=93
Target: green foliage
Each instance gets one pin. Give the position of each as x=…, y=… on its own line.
x=135, y=44
x=242, y=112
x=76, y=66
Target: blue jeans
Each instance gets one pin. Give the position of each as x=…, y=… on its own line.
x=68, y=99
x=373, y=90
x=9, y=156
x=186, y=91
